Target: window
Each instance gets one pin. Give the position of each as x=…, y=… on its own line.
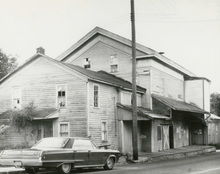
x=61, y=96
x=96, y=96
x=16, y=98
x=114, y=63
x=83, y=145
x=159, y=133
x=87, y=63
x=138, y=96
x=63, y=129
x=126, y=98
x=104, y=131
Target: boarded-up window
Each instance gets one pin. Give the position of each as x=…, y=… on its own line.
x=114, y=63
x=138, y=96
x=63, y=129
x=126, y=98
x=16, y=97
x=159, y=133
x=96, y=96
x=104, y=131
x=61, y=96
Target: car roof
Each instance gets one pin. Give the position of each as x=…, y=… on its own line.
x=81, y=138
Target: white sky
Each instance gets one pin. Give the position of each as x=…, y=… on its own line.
x=188, y=31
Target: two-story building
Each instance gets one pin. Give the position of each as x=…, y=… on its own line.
x=69, y=100
x=176, y=100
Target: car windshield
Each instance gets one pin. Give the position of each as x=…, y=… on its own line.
x=51, y=143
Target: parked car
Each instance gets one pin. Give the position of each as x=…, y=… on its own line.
x=61, y=153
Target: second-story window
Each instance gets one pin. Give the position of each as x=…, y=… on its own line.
x=61, y=96
x=96, y=96
x=113, y=63
x=87, y=63
x=16, y=98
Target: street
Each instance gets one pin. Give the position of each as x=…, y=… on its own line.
x=200, y=164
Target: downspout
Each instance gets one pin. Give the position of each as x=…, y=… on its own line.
x=87, y=110
x=115, y=115
x=171, y=113
x=206, y=127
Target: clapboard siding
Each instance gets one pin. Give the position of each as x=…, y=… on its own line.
x=38, y=83
x=167, y=85
x=105, y=112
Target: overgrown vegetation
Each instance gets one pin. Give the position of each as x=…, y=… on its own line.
x=20, y=121
x=22, y=118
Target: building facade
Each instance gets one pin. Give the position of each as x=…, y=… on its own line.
x=172, y=91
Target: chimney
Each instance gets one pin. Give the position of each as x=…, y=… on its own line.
x=41, y=50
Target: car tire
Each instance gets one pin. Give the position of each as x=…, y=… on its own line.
x=31, y=171
x=110, y=163
x=65, y=168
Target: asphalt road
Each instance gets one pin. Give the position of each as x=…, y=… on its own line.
x=201, y=164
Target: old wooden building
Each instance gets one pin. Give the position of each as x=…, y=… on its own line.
x=175, y=105
x=70, y=100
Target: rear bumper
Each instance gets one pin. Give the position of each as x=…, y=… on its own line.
x=21, y=162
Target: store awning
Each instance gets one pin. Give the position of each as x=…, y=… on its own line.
x=179, y=105
x=125, y=113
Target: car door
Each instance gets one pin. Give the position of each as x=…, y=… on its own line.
x=95, y=155
x=80, y=155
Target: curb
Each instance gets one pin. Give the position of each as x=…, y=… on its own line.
x=166, y=156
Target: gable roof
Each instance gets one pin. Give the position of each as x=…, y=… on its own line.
x=150, y=53
x=103, y=76
x=100, y=76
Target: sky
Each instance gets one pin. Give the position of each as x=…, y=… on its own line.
x=187, y=31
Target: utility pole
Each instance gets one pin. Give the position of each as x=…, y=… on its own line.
x=134, y=99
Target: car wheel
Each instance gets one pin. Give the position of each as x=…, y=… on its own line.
x=109, y=163
x=31, y=171
x=65, y=168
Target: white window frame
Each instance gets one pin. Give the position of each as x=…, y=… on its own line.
x=87, y=62
x=104, y=133
x=59, y=124
x=13, y=97
x=98, y=102
x=57, y=86
x=114, y=62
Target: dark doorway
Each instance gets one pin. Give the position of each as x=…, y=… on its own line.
x=171, y=137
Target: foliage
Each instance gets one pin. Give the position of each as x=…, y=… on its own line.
x=22, y=118
x=7, y=64
x=3, y=131
x=215, y=103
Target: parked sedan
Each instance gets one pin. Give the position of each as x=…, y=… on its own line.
x=61, y=153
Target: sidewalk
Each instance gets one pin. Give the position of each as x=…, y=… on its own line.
x=143, y=157
x=169, y=154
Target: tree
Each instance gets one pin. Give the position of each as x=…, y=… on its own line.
x=7, y=64
x=215, y=103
